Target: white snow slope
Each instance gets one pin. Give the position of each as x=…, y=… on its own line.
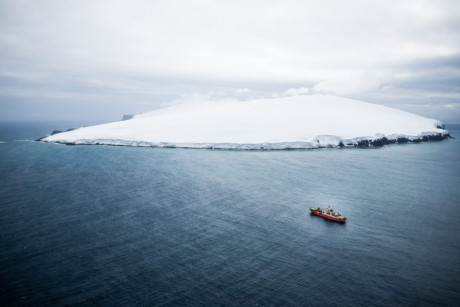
x=310, y=121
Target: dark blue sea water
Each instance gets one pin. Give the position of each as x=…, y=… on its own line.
x=118, y=226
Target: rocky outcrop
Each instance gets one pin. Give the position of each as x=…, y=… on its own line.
x=127, y=116
x=400, y=140
x=54, y=132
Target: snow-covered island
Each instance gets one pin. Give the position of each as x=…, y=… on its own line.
x=309, y=121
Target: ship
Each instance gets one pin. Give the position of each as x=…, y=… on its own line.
x=329, y=214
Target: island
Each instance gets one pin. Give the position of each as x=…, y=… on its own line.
x=296, y=122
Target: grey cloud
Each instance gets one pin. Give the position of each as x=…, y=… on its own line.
x=449, y=61
x=114, y=57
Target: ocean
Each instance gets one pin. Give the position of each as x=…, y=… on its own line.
x=126, y=226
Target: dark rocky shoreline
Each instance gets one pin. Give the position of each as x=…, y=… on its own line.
x=402, y=140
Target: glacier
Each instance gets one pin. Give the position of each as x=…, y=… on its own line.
x=296, y=122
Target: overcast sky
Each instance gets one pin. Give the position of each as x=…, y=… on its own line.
x=102, y=59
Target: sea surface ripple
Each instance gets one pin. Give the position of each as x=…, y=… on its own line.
x=117, y=226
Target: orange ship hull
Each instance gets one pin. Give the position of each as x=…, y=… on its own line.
x=329, y=217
